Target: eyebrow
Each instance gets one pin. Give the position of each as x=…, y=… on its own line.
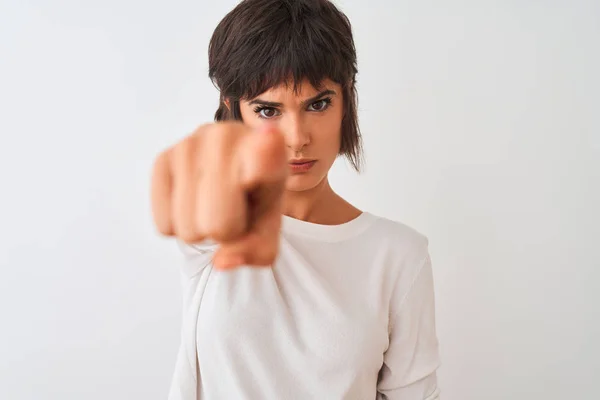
x=304, y=103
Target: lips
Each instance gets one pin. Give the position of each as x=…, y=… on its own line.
x=302, y=165
x=301, y=161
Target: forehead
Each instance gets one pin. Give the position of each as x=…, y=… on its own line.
x=303, y=89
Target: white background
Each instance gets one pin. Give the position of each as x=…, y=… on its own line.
x=482, y=131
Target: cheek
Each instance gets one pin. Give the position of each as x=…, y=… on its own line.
x=330, y=130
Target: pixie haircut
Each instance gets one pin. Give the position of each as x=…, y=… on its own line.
x=261, y=44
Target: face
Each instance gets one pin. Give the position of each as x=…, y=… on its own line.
x=311, y=121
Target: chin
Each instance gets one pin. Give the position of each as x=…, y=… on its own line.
x=302, y=182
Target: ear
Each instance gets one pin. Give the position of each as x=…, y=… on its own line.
x=227, y=104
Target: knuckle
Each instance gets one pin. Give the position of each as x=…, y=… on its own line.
x=219, y=235
x=222, y=232
x=225, y=134
x=221, y=226
x=160, y=169
x=160, y=162
x=186, y=233
x=164, y=227
x=183, y=150
x=204, y=129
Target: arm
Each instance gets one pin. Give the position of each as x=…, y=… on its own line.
x=412, y=358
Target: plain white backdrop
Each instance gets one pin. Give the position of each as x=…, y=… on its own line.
x=481, y=123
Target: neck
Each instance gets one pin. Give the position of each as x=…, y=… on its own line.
x=319, y=205
x=309, y=205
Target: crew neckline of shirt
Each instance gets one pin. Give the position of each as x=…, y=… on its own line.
x=327, y=233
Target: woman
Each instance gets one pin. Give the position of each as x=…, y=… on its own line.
x=345, y=306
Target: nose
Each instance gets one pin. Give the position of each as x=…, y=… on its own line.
x=296, y=133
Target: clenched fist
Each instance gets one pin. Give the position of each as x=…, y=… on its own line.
x=224, y=182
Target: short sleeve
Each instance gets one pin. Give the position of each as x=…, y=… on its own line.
x=194, y=276
x=196, y=256
x=412, y=357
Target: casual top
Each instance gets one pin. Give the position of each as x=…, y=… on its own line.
x=345, y=312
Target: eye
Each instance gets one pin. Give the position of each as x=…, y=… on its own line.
x=320, y=105
x=266, y=112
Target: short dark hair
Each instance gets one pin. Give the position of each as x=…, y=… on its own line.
x=263, y=43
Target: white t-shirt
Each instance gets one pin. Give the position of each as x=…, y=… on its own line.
x=346, y=312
